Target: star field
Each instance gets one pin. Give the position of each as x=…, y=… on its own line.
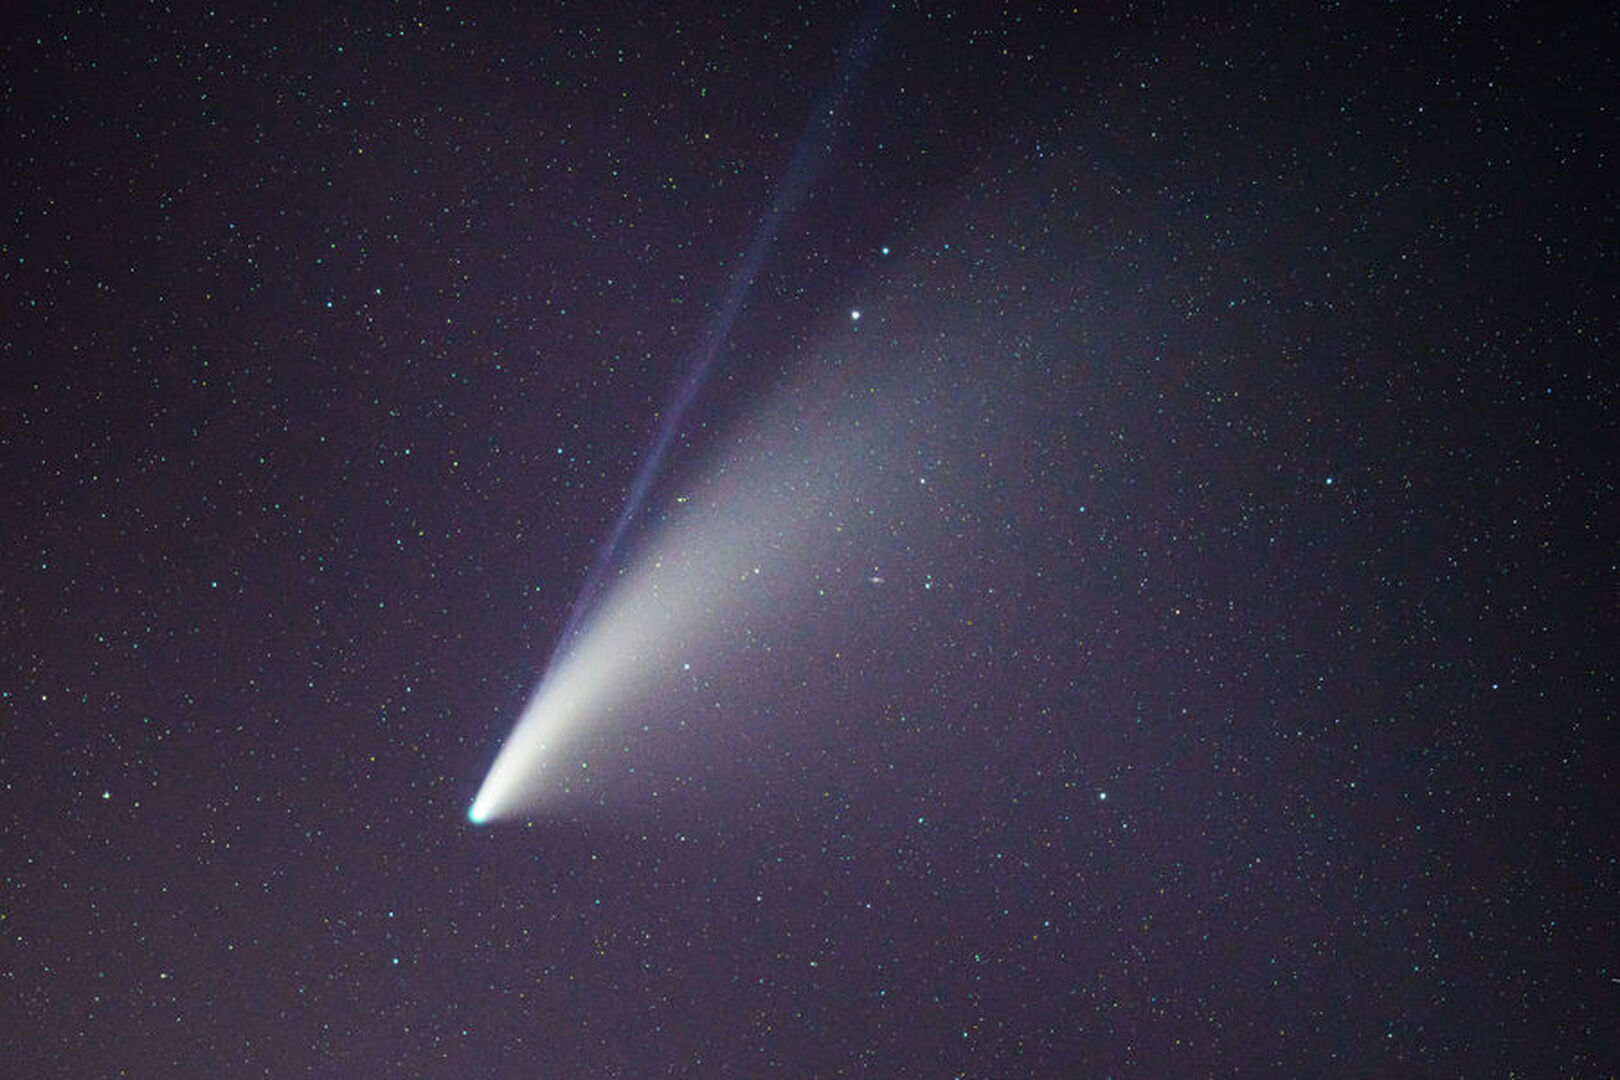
x=1134, y=596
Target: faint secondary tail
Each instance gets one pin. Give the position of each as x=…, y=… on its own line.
x=811, y=153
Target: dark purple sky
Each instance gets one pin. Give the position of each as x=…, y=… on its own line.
x=1204, y=669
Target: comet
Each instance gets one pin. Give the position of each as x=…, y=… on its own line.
x=631, y=623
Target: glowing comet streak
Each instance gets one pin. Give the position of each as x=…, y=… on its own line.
x=623, y=630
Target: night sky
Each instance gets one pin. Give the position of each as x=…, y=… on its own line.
x=1169, y=632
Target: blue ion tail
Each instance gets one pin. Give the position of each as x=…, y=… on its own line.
x=510, y=772
x=808, y=158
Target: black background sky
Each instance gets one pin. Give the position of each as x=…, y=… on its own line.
x=1241, y=699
